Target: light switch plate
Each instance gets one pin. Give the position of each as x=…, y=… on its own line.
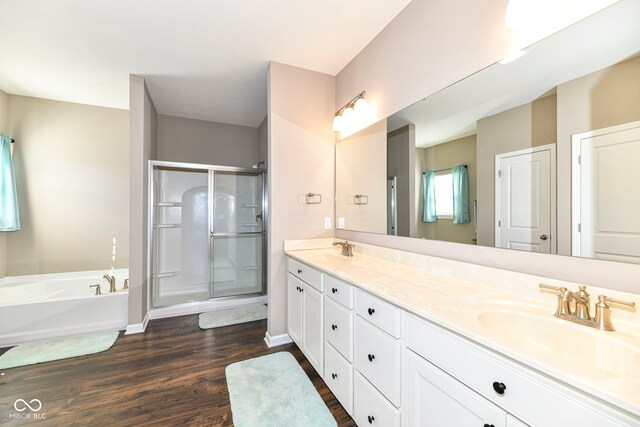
x=341, y=222
x=327, y=223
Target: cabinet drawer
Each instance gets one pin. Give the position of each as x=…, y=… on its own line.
x=534, y=399
x=338, y=374
x=370, y=407
x=306, y=273
x=338, y=328
x=378, y=357
x=382, y=314
x=339, y=290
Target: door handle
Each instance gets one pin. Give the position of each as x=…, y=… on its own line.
x=544, y=237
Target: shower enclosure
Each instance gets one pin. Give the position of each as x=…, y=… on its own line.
x=208, y=235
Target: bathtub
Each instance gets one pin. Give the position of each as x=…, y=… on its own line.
x=53, y=305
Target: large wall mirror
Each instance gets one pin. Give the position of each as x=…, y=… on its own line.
x=538, y=154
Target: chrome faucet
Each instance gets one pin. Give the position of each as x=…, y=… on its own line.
x=581, y=305
x=347, y=248
x=112, y=282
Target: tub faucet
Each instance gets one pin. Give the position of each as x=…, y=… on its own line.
x=112, y=282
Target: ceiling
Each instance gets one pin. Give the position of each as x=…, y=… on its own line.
x=599, y=41
x=202, y=59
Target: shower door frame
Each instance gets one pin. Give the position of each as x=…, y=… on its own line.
x=210, y=169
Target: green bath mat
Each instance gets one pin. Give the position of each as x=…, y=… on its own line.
x=232, y=316
x=56, y=349
x=274, y=391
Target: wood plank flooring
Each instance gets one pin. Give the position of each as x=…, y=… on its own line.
x=171, y=375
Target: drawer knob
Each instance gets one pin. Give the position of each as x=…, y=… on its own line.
x=371, y=357
x=334, y=327
x=299, y=271
x=301, y=290
x=499, y=387
x=371, y=311
x=489, y=425
x=334, y=376
x=298, y=288
x=334, y=290
x=371, y=419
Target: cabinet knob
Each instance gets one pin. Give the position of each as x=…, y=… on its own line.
x=371, y=311
x=334, y=290
x=371, y=357
x=499, y=387
x=299, y=271
x=301, y=290
x=334, y=376
x=371, y=419
x=298, y=288
x=489, y=425
x=334, y=327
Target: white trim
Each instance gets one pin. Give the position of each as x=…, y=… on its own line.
x=276, y=340
x=138, y=328
x=200, y=307
x=553, y=196
x=576, y=186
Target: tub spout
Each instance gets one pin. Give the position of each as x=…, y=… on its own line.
x=112, y=282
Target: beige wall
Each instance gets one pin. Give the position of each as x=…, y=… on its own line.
x=4, y=126
x=301, y=160
x=401, y=159
x=526, y=126
x=71, y=164
x=445, y=156
x=474, y=40
x=605, y=98
x=198, y=141
x=143, y=120
x=361, y=168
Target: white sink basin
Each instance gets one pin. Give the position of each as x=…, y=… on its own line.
x=563, y=341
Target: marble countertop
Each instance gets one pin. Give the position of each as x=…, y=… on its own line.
x=603, y=364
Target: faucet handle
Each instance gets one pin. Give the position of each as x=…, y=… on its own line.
x=605, y=299
x=565, y=297
x=126, y=284
x=97, y=289
x=552, y=289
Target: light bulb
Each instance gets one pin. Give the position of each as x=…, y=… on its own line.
x=361, y=107
x=338, y=123
x=347, y=115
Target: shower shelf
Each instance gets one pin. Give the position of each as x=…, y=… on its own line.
x=167, y=274
x=250, y=205
x=169, y=225
x=170, y=204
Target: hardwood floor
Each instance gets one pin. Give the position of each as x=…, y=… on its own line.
x=171, y=375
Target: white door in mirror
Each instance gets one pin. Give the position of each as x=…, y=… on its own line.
x=524, y=192
x=340, y=222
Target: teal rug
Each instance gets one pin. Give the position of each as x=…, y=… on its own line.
x=56, y=349
x=274, y=391
x=232, y=316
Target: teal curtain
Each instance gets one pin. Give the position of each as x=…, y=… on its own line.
x=429, y=197
x=9, y=218
x=460, y=195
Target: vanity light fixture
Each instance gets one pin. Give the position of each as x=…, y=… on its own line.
x=351, y=113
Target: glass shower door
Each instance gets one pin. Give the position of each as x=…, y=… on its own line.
x=237, y=233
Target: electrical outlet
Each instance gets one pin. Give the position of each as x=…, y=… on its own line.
x=341, y=222
x=327, y=223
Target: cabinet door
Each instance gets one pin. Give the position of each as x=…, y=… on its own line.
x=294, y=309
x=434, y=399
x=514, y=422
x=312, y=336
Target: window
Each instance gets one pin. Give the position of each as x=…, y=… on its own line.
x=444, y=194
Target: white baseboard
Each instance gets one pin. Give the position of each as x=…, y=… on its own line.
x=138, y=328
x=277, y=340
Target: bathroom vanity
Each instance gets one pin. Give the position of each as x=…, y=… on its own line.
x=409, y=340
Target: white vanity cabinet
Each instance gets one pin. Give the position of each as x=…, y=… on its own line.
x=305, y=311
x=435, y=399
